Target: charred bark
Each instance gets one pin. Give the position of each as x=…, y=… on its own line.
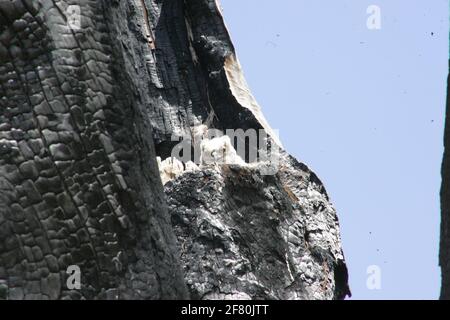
x=87, y=106
x=444, y=256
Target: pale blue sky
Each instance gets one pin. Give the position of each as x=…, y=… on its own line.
x=364, y=109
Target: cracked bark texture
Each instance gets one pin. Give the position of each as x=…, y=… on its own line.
x=83, y=115
x=246, y=235
x=444, y=256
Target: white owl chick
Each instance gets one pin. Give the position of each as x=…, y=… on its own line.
x=219, y=151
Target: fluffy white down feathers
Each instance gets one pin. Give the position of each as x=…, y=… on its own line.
x=219, y=151
x=213, y=152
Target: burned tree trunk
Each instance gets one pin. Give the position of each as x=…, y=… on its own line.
x=444, y=256
x=92, y=93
